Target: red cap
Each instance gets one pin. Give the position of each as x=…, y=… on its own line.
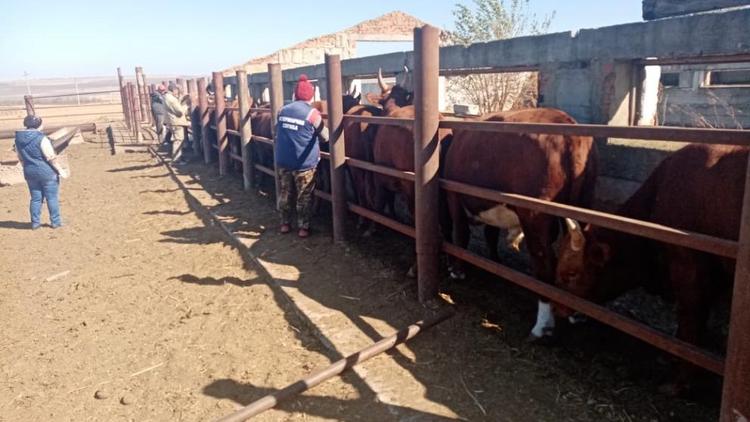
x=304, y=90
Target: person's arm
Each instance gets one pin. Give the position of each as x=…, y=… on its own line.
x=320, y=128
x=49, y=154
x=18, y=154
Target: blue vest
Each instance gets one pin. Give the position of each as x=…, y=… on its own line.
x=29, y=147
x=296, y=144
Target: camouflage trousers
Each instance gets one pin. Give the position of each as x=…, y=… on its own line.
x=296, y=189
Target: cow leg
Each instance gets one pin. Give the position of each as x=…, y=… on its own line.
x=492, y=238
x=689, y=275
x=540, y=233
x=380, y=199
x=459, y=234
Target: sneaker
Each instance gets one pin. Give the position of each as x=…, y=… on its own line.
x=56, y=226
x=35, y=226
x=284, y=229
x=303, y=233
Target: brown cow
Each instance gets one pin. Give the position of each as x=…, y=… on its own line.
x=393, y=146
x=549, y=167
x=698, y=188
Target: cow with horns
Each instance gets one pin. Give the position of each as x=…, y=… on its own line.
x=699, y=188
x=557, y=168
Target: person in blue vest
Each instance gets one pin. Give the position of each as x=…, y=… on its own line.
x=298, y=129
x=41, y=170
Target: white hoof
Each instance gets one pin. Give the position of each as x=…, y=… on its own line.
x=545, y=321
x=412, y=273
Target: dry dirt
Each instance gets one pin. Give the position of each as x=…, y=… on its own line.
x=141, y=309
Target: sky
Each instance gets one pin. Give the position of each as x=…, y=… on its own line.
x=77, y=38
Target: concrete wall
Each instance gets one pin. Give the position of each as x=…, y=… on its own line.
x=590, y=74
x=657, y=9
x=694, y=102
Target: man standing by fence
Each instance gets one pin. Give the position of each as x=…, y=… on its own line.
x=177, y=120
x=297, y=156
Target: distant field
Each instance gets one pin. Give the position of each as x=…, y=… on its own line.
x=12, y=117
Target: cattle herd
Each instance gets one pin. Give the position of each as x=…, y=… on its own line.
x=699, y=188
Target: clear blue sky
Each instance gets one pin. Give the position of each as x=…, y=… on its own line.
x=49, y=38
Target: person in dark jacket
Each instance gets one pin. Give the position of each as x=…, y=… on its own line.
x=41, y=170
x=159, y=110
x=298, y=129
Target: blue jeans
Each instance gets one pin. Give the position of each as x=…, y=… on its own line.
x=41, y=190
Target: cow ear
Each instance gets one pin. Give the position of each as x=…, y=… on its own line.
x=600, y=253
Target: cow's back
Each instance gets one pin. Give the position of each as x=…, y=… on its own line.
x=698, y=188
x=553, y=167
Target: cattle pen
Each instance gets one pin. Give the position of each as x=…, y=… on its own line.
x=429, y=62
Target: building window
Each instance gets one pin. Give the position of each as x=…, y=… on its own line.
x=739, y=77
x=670, y=79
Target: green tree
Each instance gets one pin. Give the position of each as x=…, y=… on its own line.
x=489, y=20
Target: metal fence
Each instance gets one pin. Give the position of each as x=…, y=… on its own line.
x=735, y=367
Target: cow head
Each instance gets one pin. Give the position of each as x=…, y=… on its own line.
x=398, y=95
x=581, y=261
x=351, y=99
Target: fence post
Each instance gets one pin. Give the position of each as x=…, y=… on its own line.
x=132, y=93
x=277, y=101
x=735, y=402
x=139, y=95
x=427, y=160
x=192, y=89
x=126, y=105
x=204, y=119
x=123, y=98
x=182, y=83
x=220, y=120
x=147, y=100
x=28, y=101
x=246, y=130
x=337, y=148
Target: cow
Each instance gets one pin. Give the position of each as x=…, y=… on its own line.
x=549, y=167
x=699, y=188
x=393, y=146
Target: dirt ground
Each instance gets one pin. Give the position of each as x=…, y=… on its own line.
x=141, y=309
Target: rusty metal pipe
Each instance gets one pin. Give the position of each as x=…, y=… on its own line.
x=735, y=402
x=246, y=131
x=204, y=119
x=427, y=160
x=337, y=145
x=220, y=120
x=123, y=98
x=277, y=101
x=338, y=367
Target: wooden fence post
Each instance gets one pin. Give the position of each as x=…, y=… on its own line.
x=123, y=98
x=220, y=120
x=735, y=402
x=204, y=119
x=337, y=148
x=427, y=160
x=246, y=131
x=277, y=101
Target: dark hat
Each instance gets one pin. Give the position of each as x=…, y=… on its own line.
x=32, y=122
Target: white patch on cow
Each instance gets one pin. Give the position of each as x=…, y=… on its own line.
x=503, y=217
x=545, y=321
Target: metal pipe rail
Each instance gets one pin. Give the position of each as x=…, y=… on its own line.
x=36, y=97
x=338, y=367
x=662, y=341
